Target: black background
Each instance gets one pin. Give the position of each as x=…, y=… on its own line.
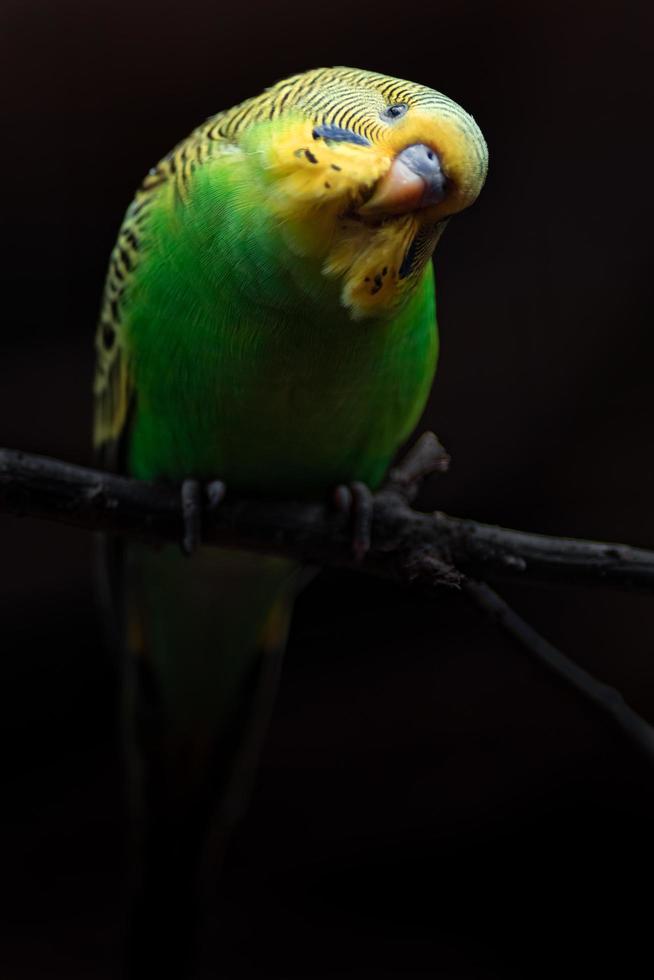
x=430, y=803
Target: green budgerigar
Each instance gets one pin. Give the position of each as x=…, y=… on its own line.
x=268, y=321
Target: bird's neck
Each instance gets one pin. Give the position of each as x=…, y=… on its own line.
x=348, y=273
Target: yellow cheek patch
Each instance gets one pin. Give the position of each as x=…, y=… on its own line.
x=370, y=261
x=311, y=182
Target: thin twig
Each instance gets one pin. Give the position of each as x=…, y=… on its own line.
x=609, y=701
x=425, y=457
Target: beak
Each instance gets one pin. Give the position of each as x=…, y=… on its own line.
x=415, y=180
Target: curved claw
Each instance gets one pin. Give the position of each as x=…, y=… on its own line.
x=356, y=500
x=191, y=515
x=215, y=493
x=192, y=510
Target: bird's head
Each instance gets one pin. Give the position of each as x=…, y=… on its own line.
x=362, y=172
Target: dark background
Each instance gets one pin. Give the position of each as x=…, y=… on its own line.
x=430, y=803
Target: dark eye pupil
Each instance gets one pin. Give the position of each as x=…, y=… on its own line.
x=394, y=111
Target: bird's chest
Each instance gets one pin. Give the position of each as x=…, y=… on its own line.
x=285, y=408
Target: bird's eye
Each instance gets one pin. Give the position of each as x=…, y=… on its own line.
x=394, y=111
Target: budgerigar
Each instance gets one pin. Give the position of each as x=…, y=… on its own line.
x=269, y=322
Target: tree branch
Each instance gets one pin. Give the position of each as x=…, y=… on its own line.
x=413, y=548
x=311, y=531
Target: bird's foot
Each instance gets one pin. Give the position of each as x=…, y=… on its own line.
x=357, y=502
x=198, y=498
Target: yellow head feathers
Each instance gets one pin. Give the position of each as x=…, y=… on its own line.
x=319, y=145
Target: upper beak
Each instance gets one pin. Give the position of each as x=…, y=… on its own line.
x=415, y=180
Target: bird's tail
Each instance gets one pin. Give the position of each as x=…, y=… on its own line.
x=204, y=638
